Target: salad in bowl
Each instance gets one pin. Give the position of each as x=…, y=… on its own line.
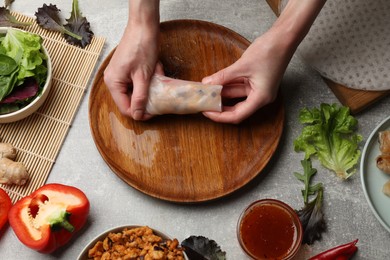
x=25, y=74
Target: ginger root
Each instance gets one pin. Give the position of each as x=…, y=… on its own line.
x=11, y=172
x=7, y=150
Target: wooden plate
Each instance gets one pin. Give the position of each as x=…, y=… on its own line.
x=186, y=158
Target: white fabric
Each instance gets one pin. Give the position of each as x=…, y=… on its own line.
x=349, y=43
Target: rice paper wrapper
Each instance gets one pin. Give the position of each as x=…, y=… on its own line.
x=174, y=96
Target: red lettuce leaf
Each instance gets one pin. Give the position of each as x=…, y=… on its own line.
x=202, y=248
x=27, y=90
x=8, y=20
x=79, y=25
x=48, y=18
x=8, y=2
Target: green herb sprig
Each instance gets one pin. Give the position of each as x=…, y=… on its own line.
x=311, y=215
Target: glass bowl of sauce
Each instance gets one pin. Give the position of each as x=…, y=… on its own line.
x=269, y=229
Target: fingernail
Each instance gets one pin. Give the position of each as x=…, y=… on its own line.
x=138, y=114
x=206, y=114
x=206, y=80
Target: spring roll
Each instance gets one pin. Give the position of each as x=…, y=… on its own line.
x=384, y=141
x=386, y=188
x=383, y=162
x=174, y=96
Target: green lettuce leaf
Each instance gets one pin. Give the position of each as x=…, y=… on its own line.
x=8, y=108
x=7, y=84
x=25, y=49
x=21, y=60
x=329, y=133
x=7, y=65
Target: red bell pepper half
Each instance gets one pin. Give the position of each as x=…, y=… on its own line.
x=49, y=217
x=5, y=206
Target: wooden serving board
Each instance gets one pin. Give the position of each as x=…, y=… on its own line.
x=186, y=158
x=356, y=100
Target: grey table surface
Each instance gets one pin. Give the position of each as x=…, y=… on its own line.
x=114, y=203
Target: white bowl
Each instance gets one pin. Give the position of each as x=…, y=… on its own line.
x=84, y=253
x=38, y=101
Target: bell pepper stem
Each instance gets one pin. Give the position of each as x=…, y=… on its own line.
x=61, y=221
x=66, y=225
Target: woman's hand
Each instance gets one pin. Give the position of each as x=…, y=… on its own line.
x=128, y=74
x=255, y=76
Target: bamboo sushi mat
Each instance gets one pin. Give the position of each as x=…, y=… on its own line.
x=39, y=137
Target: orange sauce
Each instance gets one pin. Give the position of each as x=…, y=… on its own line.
x=268, y=231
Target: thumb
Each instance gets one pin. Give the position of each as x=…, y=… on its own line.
x=223, y=76
x=139, y=96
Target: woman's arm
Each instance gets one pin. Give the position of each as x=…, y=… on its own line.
x=258, y=73
x=295, y=21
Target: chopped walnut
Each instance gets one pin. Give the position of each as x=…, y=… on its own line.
x=136, y=244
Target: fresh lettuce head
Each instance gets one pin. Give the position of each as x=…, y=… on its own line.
x=329, y=134
x=25, y=49
x=22, y=61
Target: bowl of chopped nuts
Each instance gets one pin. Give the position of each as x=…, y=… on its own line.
x=133, y=242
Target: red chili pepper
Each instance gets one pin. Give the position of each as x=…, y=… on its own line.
x=342, y=252
x=5, y=206
x=49, y=217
